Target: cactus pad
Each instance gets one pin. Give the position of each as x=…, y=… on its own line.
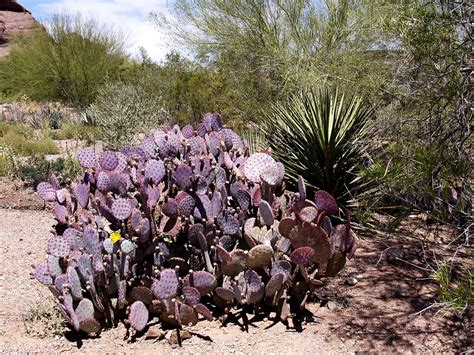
x=142, y=294
x=302, y=256
x=108, y=160
x=42, y=274
x=103, y=181
x=138, y=316
x=225, y=293
x=61, y=213
x=155, y=170
x=91, y=240
x=89, y=326
x=325, y=202
x=167, y=286
x=256, y=165
x=82, y=194
x=187, y=315
x=274, y=285
x=74, y=283
x=255, y=287
x=191, y=295
x=182, y=175
x=187, y=131
x=121, y=208
x=85, y=309
x=260, y=256
x=86, y=158
x=266, y=213
x=186, y=204
x=58, y=246
x=203, y=311
x=127, y=246
x=281, y=267
x=46, y=191
x=203, y=281
x=54, y=269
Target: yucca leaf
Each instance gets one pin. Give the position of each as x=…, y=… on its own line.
x=320, y=135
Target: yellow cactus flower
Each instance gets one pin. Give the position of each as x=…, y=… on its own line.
x=115, y=237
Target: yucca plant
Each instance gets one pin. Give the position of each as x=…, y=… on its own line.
x=321, y=135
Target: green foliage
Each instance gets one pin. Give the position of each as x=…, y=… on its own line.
x=44, y=319
x=67, y=62
x=24, y=143
x=35, y=169
x=124, y=110
x=186, y=90
x=23, y=150
x=5, y=165
x=420, y=175
x=270, y=49
x=76, y=130
x=455, y=295
x=320, y=135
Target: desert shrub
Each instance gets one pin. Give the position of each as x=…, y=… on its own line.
x=5, y=164
x=321, y=135
x=268, y=50
x=17, y=129
x=24, y=145
x=44, y=319
x=76, y=130
x=455, y=291
x=428, y=167
x=88, y=118
x=189, y=222
x=187, y=89
x=426, y=177
x=123, y=111
x=68, y=61
x=35, y=169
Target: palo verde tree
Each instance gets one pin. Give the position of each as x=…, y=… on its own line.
x=67, y=60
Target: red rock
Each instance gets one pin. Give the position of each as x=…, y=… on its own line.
x=15, y=21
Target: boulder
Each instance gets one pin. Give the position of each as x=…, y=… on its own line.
x=15, y=21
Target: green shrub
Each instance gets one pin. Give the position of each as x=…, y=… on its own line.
x=75, y=130
x=44, y=319
x=21, y=129
x=35, y=169
x=67, y=62
x=124, y=110
x=320, y=135
x=455, y=294
x=26, y=146
x=5, y=165
x=423, y=176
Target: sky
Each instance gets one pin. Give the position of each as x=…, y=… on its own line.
x=130, y=16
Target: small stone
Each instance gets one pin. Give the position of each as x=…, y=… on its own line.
x=172, y=336
x=402, y=293
x=332, y=305
x=154, y=333
x=351, y=281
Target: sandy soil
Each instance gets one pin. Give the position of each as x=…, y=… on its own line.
x=379, y=313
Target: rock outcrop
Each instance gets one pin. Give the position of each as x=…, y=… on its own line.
x=15, y=21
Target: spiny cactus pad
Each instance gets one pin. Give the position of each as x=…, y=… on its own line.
x=138, y=316
x=185, y=222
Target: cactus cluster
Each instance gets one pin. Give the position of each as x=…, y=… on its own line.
x=182, y=225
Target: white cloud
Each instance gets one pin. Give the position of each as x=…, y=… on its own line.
x=130, y=16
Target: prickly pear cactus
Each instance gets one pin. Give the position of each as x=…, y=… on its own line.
x=185, y=222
